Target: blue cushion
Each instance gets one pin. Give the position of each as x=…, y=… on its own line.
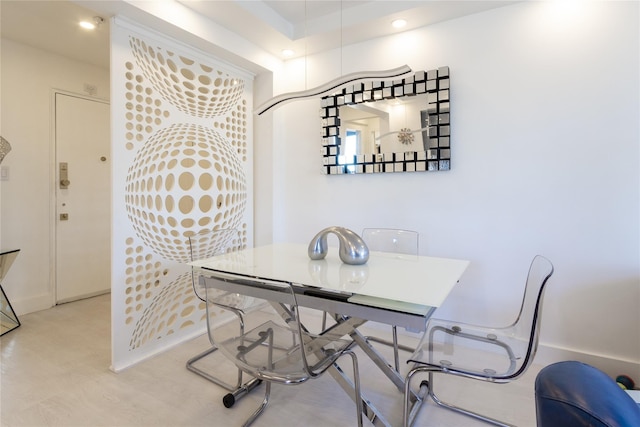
x=575, y=394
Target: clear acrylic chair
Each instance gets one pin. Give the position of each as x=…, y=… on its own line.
x=497, y=355
x=204, y=245
x=270, y=343
x=397, y=241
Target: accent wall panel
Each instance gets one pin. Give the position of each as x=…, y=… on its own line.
x=181, y=126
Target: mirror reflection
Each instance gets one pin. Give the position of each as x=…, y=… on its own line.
x=388, y=126
x=368, y=128
x=8, y=318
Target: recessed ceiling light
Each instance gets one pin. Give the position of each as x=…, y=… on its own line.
x=287, y=53
x=399, y=23
x=93, y=24
x=87, y=25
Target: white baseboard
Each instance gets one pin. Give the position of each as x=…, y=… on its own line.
x=608, y=364
x=31, y=304
x=548, y=354
x=141, y=358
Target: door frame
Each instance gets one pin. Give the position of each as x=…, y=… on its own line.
x=53, y=223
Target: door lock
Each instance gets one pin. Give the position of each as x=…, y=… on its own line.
x=64, y=217
x=64, y=175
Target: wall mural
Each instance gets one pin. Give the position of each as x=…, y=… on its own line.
x=186, y=132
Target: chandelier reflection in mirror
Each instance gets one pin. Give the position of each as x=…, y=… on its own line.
x=400, y=125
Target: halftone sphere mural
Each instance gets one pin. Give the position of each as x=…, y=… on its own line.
x=193, y=88
x=186, y=179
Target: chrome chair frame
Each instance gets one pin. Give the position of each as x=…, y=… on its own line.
x=527, y=325
x=225, y=235
x=302, y=346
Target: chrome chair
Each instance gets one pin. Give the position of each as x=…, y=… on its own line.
x=204, y=245
x=270, y=343
x=402, y=242
x=498, y=355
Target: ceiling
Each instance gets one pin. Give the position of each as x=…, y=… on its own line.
x=316, y=26
x=303, y=26
x=53, y=26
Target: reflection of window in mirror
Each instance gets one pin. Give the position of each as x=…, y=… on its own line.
x=365, y=122
x=352, y=142
x=350, y=147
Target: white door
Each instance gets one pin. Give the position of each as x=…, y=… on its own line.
x=83, y=197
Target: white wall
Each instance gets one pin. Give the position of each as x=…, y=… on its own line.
x=545, y=160
x=545, y=150
x=28, y=77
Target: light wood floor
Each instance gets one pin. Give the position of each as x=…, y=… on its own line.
x=55, y=372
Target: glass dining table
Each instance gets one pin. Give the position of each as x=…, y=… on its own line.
x=394, y=289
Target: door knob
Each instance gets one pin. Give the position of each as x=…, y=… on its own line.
x=64, y=175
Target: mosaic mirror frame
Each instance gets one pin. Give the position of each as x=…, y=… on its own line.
x=434, y=154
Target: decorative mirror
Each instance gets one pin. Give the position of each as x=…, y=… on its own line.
x=8, y=318
x=388, y=126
